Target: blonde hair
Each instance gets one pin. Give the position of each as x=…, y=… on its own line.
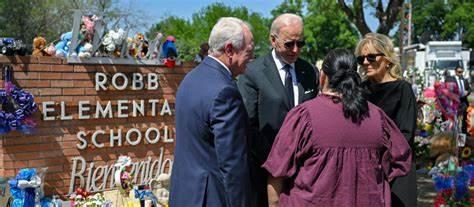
x=382, y=44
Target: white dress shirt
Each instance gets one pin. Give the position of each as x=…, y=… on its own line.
x=280, y=64
x=221, y=64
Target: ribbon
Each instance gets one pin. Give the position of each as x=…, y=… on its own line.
x=23, y=105
x=146, y=194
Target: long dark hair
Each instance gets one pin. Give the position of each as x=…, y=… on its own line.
x=340, y=66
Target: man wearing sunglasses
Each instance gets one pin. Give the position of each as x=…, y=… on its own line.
x=464, y=91
x=271, y=86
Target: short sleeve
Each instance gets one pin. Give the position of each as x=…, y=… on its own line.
x=397, y=158
x=291, y=144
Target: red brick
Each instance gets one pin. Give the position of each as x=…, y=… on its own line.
x=37, y=67
x=40, y=99
x=25, y=59
x=85, y=68
x=50, y=91
x=62, y=98
x=83, y=84
x=92, y=99
x=78, y=76
x=34, y=83
x=90, y=91
x=50, y=60
x=50, y=75
x=73, y=91
x=28, y=75
x=63, y=68
x=61, y=84
x=5, y=59
x=31, y=148
x=15, y=164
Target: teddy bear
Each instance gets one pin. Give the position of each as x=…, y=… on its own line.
x=62, y=47
x=39, y=47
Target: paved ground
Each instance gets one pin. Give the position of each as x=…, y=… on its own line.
x=426, y=191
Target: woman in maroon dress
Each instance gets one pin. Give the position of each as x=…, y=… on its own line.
x=337, y=149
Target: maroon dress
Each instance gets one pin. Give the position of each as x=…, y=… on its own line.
x=328, y=160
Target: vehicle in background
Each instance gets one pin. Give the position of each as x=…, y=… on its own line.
x=438, y=57
x=10, y=46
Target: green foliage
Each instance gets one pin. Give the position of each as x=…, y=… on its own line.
x=190, y=34
x=326, y=28
x=444, y=20
x=289, y=6
x=460, y=21
x=23, y=19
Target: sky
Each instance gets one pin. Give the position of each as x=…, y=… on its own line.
x=156, y=10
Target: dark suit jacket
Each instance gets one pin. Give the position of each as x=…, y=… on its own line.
x=210, y=158
x=266, y=100
x=466, y=85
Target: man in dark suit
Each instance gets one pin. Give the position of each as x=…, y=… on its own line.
x=464, y=90
x=210, y=158
x=271, y=86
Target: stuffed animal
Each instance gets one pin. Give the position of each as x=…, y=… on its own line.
x=88, y=27
x=62, y=47
x=39, y=46
x=169, y=52
x=85, y=50
x=138, y=46
x=442, y=146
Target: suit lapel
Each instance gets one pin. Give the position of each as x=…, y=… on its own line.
x=274, y=78
x=300, y=75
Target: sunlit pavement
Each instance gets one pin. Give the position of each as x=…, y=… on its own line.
x=426, y=190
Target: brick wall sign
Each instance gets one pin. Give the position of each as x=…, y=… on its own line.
x=89, y=115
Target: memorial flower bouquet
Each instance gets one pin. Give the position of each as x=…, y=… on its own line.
x=83, y=198
x=454, y=188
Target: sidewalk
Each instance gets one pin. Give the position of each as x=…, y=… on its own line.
x=426, y=190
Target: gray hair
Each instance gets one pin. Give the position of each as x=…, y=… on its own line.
x=227, y=30
x=286, y=19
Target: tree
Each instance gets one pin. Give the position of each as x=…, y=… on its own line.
x=289, y=6
x=23, y=19
x=190, y=34
x=326, y=28
x=428, y=19
x=387, y=16
x=443, y=21
x=460, y=22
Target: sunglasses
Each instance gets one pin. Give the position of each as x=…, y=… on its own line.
x=370, y=57
x=291, y=44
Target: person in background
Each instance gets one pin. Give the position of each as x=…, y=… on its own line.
x=386, y=89
x=203, y=51
x=210, y=157
x=464, y=91
x=271, y=86
x=337, y=149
